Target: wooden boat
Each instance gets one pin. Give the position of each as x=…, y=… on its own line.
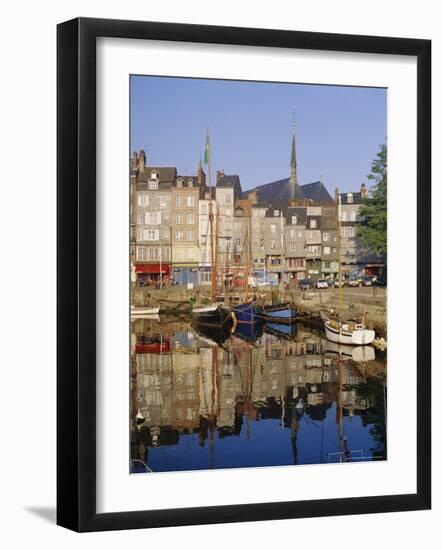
x=336, y=329
x=141, y=311
x=213, y=314
x=348, y=332
x=249, y=312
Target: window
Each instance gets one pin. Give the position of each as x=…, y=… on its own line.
x=351, y=232
x=152, y=184
x=343, y=215
x=139, y=235
x=326, y=250
x=190, y=183
x=272, y=228
x=179, y=235
x=143, y=200
x=204, y=209
x=275, y=213
x=292, y=234
x=152, y=218
x=190, y=218
x=353, y=216
x=326, y=237
x=228, y=212
x=140, y=219
x=314, y=249
x=179, y=182
x=190, y=201
x=313, y=224
x=292, y=247
x=349, y=198
x=228, y=198
x=273, y=244
x=179, y=218
x=163, y=201
x=327, y=265
x=238, y=241
x=294, y=220
x=190, y=235
x=151, y=235
x=179, y=200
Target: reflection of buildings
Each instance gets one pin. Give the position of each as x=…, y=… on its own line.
x=186, y=385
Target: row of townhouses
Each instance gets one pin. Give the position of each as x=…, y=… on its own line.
x=277, y=232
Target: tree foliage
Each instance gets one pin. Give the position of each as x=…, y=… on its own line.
x=373, y=229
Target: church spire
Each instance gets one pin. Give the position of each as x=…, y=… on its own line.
x=293, y=180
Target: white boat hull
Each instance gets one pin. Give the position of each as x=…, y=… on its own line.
x=205, y=309
x=357, y=337
x=137, y=311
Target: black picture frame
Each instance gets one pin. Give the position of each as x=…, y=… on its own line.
x=76, y=273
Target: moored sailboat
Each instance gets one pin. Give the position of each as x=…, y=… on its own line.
x=212, y=314
x=337, y=330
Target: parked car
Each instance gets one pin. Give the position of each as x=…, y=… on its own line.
x=322, y=283
x=336, y=283
x=305, y=284
x=381, y=281
x=366, y=280
x=354, y=281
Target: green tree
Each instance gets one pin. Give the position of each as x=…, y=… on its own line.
x=373, y=229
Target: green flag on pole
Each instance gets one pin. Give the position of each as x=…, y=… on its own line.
x=206, y=151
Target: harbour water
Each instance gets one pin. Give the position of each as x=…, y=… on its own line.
x=270, y=395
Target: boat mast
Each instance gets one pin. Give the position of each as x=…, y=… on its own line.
x=339, y=254
x=212, y=244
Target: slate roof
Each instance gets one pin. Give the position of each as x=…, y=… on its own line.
x=357, y=198
x=280, y=205
x=300, y=212
x=228, y=181
x=165, y=173
x=185, y=181
x=280, y=189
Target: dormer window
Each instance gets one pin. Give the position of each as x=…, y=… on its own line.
x=238, y=212
x=275, y=213
x=152, y=184
x=154, y=175
x=294, y=220
x=190, y=183
x=349, y=198
x=179, y=182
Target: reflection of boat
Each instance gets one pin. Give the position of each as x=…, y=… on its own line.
x=214, y=334
x=358, y=354
x=152, y=344
x=248, y=331
x=250, y=312
x=141, y=311
x=347, y=332
x=281, y=313
x=281, y=330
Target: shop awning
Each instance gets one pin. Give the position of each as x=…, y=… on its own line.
x=151, y=268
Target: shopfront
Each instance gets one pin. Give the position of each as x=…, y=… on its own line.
x=153, y=274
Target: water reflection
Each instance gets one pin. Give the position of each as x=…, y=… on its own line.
x=271, y=395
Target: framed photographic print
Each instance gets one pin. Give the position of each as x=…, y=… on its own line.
x=231, y=344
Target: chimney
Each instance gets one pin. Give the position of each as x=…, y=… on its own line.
x=142, y=162
x=219, y=175
x=364, y=191
x=135, y=160
x=336, y=195
x=253, y=196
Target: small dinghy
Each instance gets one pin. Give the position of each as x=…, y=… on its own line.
x=141, y=311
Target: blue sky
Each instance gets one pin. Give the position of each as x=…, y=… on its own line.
x=338, y=129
